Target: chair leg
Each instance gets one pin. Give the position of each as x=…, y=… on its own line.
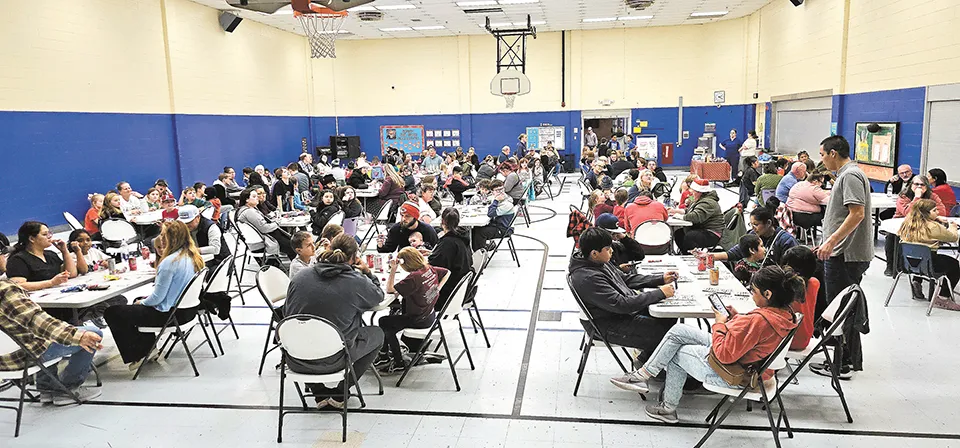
x=303, y=400
x=96, y=374
x=23, y=391
x=773, y=426
x=419, y=355
x=480, y=321
x=206, y=334
x=786, y=421
x=896, y=279
x=144, y=362
x=356, y=383
x=513, y=250
x=446, y=348
x=583, y=364
x=376, y=375
x=234, y=327
x=263, y=358
x=466, y=348
x=183, y=341
x=835, y=373
x=615, y=357
x=717, y=422
x=283, y=377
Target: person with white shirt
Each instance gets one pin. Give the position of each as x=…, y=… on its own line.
x=130, y=204
x=302, y=243
x=748, y=149
x=306, y=164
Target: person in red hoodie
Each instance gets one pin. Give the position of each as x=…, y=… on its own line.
x=644, y=209
x=742, y=338
x=620, y=210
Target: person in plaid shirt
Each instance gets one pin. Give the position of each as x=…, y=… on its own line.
x=47, y=338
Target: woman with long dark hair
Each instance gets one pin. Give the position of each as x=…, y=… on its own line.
x=33, y=267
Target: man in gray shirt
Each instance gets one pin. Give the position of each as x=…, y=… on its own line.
x=848, y=250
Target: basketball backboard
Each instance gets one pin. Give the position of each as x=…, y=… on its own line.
x=509, y=83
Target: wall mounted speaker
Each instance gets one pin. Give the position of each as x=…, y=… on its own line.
x=229, y=21
x=796, y=2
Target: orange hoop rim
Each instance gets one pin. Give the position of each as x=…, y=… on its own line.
x=320, y=11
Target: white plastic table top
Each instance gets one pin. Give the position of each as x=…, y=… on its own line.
x=691, y=299
x=473, y=215
x=370, y=192
x=673, y=221
x=147, y=218
x=53, y=298
x=296, y=221
x=880, y=201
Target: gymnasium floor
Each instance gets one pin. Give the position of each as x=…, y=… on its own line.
x=521, y=392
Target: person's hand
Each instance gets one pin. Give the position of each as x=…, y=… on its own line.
x=719, y=317
x=60, y=278
x=394, y=264
x=668, y=290
x=894, y=178
x=424, y=251
x=380, y=240
x=625, y=267
x=323, y=244
x=825, y=250
x=732, y=311
x=670, y=277
x=75, y=247
x=917, y=192
x=61, y=244
x=90, y=341
x=362, y=267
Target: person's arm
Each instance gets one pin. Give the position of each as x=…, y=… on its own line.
x=734, y=338
x=640, y=281
x=213, y=239
x=19, y=309
x=162, y=286
x=394, y=265
x=903, y=206
x=260, y=222
x=393, y=240
x=604, y=296
x=80, y=262
x=69, y=265
x=821, y=196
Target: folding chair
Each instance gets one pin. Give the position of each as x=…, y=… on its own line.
x=220, y=283
x=847, y=301
x=918, y=263
x=238, y=250
x=508, y=236
x=768, y=392
x=72, y=220
x=470, y=304
x=20, y=378
x=189, y=299
x=272, y=284
x=656, y=237
x=256, y=246
x=337, y=218
x=382, y=218
x=306, y=338
x=118, y=236
x=767, y=193
x=451, y=312
x=585, y=192
x=590, y=337
x=208, y=212
x=522, y=204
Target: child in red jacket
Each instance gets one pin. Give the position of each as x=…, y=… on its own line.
x=742, y=338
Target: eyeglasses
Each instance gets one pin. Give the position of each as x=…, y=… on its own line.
x=919, y=184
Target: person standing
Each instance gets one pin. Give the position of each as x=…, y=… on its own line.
x=848, y=250
x=590, y=139
x=731, y=152
x=521, y=145
x=748, y=149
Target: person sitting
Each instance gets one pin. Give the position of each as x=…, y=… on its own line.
x=901, y=180
x=358, y=178
x=644, y=209
x=918, y=189
x=189, y=197
x=648, y=182
x=111, y=208
x=153, y=200
x=744, y=268
x=804, y=262
x=169, y=209
x=339, y=288
x=391, y=189
x=163, y=188
x=219, y=210
x=452, y=252
x=600, y=203
x=627, y=178
x=456, y=185
x=620, y=313
x=205, y=234
x=512, y=183
x=178, y=261
x=685, y=191
x=275, y=240
x=748, y=179
x=592, y=177
x=305, y=164
x=91, y=220
x=620, y=210
x=922, y=226
x=33, y=268
x=618, y=164
x=742, y=338
x=806, y=201
x=416, y=242
x=798, y=172
x=625, y=249
x=91, y=255
x=942, y=189
x=398, y=236
x=264, y=206
x=302, y=243
x=776, y=240
x=705, y=215
x=501, y=212
x=656, y=170
x=326, y=206
x=46, y=338
x=419, y=292
x=330, y=232
x=351, y=207
x=429, y=204
x=768, y=181
x=431, y=162
x=229, y=180
x=130, y=202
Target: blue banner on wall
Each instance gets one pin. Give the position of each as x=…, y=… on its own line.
x=406, y=138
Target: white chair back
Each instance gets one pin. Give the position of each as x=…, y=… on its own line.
x=250, y=235
x=385, y=211
x=308, y=338
x=781, y=361
x=190, y=297
x=833, y=310
x=207, y=212
x=72, y=220
x=653, y=233
x=273, y=283
x=337, y=218
x=7, y=344
x=479, y=258
x=585, y=189
x=220, y=280
x=117, y=230
x=455, y=305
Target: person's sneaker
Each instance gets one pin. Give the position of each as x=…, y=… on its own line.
x=888, y=272
x=660, y=412
x=84, y=393
x=393, y=368
x=917, y=289
x=824, y=369
x=946, y=304
x=382, y=360
x=329, y=404
x=632, y=382
x=46, y=397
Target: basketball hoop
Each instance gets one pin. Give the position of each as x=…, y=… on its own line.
x=322, y=26
x=509, y=83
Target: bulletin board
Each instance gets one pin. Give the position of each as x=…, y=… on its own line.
x=408, y=138
x=443, y=140
x=537, y=137
x=647, y=146
x=877, y=151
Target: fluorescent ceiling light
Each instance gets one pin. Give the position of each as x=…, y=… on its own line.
x=399, y=28
x=600, y=19
x=362, y=8
x=517, y=2
x=477, y=3
x=395, y=7
x=503, y=24
x=431, y=27
x=710, y=14
x=497, y=24
x=634, y=17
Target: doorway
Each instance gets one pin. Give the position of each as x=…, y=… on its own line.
x=606, y=123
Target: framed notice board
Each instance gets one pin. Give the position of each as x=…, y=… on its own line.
x=876, y=152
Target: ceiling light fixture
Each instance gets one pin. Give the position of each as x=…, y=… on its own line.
x=395, y=7
x=517, y=2
x=428, y=28
x=356, y=8
x=600, y=19
x=477, y=3
x=710, y=14
x=624, y=18
x=399, y=28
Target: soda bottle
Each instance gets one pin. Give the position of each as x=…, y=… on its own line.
x=132, y=262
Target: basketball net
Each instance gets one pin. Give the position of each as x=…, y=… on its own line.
x=322, y=29
x=509, y=98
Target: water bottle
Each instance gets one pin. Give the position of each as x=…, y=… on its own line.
x=889, y=188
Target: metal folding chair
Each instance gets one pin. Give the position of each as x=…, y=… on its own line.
x=272, y=284
x=479, y=259
x=72, y=220
x=655, y=236
x=508, y=237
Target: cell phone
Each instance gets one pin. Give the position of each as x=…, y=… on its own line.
x=718, y=305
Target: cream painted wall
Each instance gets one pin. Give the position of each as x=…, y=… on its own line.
x=896, y=44
x=93, y=56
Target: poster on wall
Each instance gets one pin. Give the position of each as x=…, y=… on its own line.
x=876, y=152
x=408, y=138
x=539, y=136
x=647, y=147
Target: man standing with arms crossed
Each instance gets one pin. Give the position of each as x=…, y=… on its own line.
x=848, y=250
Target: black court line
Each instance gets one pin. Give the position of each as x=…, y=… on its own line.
x=543, y=418
x=560, y=330
x=531, y=331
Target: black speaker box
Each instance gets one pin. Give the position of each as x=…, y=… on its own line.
x=796, y=2
x=229, y=21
